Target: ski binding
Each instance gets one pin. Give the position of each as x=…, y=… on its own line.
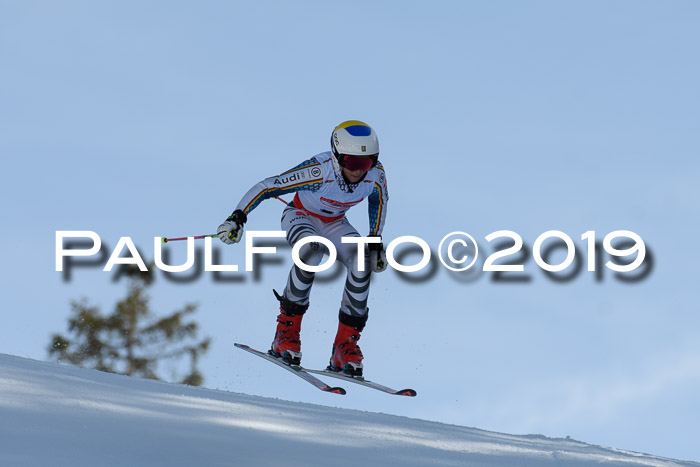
x=294, y=369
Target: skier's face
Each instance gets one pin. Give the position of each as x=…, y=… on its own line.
x=354, y=175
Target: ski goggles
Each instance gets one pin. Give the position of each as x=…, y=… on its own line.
x=354, y=163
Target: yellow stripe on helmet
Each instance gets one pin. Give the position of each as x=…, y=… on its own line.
x=350, y=123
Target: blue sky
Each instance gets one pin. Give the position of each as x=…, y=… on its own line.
x=142, y=121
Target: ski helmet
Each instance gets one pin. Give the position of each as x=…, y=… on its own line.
x=355, y=145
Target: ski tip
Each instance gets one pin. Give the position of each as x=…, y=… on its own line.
x=337, y=390
x=407, y=392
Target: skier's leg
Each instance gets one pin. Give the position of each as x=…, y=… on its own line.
x=356, y=290
x=295, y=300
x=346, y=355
x=298, y=226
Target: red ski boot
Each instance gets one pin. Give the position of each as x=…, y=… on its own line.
x=287, y=341
x=347, y=356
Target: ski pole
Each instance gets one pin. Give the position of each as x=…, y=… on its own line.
x=198, y=237
x=166, y=239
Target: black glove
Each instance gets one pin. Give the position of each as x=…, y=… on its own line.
x=377, y=257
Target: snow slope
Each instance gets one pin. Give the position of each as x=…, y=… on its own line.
x=65, y=416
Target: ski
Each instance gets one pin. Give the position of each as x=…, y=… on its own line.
x=297, y=370
x=364, y=382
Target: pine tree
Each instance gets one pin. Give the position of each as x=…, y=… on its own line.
x=130, y=341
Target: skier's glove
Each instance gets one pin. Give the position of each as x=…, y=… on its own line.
x=377, y=257
x=231, y=230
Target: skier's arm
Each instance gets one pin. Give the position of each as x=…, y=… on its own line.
x=305, y=176
x=377, y=203
x=377, y=214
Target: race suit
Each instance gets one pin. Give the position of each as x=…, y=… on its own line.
x=322, y=197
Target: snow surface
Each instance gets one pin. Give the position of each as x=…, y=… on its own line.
x=65, y=416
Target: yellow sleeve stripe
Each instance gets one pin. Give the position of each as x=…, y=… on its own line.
x=379, y=209
x=271, y=192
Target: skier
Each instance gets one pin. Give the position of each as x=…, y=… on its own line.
x=325, y=187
